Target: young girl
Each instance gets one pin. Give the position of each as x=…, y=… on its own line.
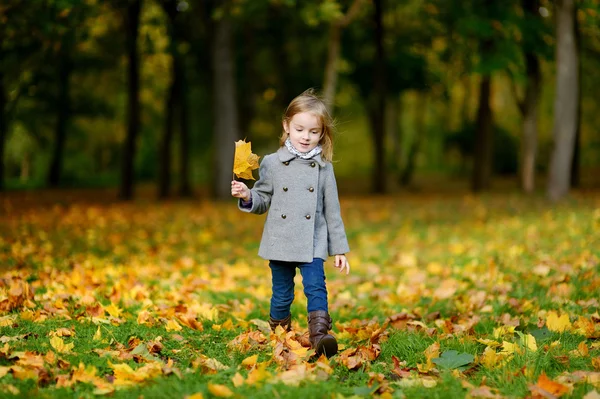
x=297, y=185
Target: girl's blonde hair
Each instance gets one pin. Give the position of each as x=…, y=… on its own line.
x=310, y=102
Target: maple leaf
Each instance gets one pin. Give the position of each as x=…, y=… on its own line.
x=244, y=160
x=546, y=387
x=220, y=391
x=556, y=323
x=432, y=352
x=60, y=346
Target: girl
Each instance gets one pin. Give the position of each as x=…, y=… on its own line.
x=297, y=185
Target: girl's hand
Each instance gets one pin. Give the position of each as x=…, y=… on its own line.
x=342, y=263
x=240, y=190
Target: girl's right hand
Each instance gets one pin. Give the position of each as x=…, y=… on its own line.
x=240, y=190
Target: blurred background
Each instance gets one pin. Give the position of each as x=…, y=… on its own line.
x=428, y=94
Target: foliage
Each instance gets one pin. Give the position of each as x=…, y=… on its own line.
x=505, y=148
x=447, y=296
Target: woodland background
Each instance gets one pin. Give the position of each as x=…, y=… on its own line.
x=127, y=92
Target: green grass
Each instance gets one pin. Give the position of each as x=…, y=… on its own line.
x=503, y=256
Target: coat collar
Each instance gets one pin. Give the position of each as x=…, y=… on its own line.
x=286, y=156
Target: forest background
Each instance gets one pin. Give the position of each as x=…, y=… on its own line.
x=125, y=92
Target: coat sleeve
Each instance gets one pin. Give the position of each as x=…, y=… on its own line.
x=337, y=243
x=262, y=191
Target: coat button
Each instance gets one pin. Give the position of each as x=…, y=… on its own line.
x=285, y=189
x=312, y=164
x=307, y=217
x=286, y=163
x=311, y=189
x=283, y=216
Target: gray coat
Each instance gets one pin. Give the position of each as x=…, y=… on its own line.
x=304, y=220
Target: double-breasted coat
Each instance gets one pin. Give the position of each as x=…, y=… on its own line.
x=304, y=220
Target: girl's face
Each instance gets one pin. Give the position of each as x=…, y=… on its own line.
x=305, y=131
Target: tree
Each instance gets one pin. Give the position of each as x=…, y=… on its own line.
x=336, y=27
x=176, y=101
x=565, y=101
x=377, y=106
x=226, y=130
x=132, y=22
x=529, y=105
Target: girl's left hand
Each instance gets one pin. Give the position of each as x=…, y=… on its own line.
x=342, y=263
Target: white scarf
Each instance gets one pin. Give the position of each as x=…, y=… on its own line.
x=304, y=155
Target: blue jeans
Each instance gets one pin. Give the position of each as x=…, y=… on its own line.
x=313, y=279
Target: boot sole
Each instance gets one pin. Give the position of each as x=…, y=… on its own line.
x=327, y=345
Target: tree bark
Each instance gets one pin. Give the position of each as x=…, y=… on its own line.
x=530, y=108
x=132, y=21
x=394, y=131
x=63, y=111
x=185, y=186
x=378, y=111
x=225, y=107
x=576, y=164
x=565, y=101
x=164, y=167
x=333, y=54
x=482, y=165
x=420, y=130
x=3, y=128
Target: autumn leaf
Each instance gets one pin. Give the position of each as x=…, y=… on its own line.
x=244, y=160
x=220, y=391
x=546, y=386
x=60, y=346
x=556, y=323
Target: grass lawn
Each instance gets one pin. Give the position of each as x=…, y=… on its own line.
x=449, y=296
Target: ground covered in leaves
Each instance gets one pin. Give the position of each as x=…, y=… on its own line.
x=461, y=296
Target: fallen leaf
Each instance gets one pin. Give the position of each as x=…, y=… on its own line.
x=556, y=323
x=220, y=391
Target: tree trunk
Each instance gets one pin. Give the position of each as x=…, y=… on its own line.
x=225, y=107
x=394, y=131
x=482, y=165
x=576, y=164
x=530, y=108
x=565, y=102
x=185, y=187
x=164, y=167
x=63, y=111
x=420, y=132
x=3, y=128
x=333, y=54
x=378, y=111
x=331, y=71
x=132, y=21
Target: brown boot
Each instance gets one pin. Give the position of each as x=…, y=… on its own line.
x=319, y=324
x=285, y=323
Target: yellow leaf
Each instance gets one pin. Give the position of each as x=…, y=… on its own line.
x=97, y=335
x=556, y=323
x=195, y=396
x=432, y=352
x=113, y=310
x=490, y=358
x=238, y=380
x=258, y=374
x=208, y=365
x=510, y=348
x=244, y=160
x=529, y=342
x=172, y=325
x=502, y=331
x=220, y=391
x=58, y=344
x=62, y=332
x=250, y=362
